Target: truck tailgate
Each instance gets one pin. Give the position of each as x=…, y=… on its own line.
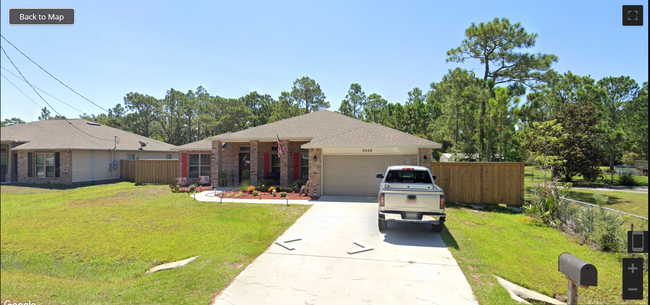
x=412, y=200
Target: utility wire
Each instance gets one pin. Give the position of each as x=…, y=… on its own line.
x=21, y=91
x=21, y=52
x=39, y=89
x=30, y=85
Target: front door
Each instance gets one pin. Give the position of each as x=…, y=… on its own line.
x=3, y=165
x=244, y=166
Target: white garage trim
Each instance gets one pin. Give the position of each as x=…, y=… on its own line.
x=354, y=174
x=371, y=151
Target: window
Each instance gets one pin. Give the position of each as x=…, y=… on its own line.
x=130, y=157
x=274, y=148
x=408, y=176
x=199, y=165
x=304, y=165
x=275, y=163
x=168, y=156
x=246, y=148
x=44, y=165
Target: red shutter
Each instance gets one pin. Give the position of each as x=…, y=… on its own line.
x=267, y=163
x=296, y=166
x=184, y=164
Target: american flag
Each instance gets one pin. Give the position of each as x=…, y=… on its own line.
x=279, y=147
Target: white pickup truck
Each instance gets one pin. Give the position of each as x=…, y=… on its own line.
x=409, y=193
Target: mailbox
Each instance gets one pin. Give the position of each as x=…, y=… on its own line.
x=577, y=270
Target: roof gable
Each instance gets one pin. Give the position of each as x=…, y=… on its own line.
x=62, y=135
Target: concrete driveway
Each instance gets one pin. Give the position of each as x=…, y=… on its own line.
x=410, y=264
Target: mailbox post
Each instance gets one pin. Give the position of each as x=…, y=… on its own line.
x=578, y=272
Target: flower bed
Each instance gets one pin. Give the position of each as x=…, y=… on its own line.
x=266, y=195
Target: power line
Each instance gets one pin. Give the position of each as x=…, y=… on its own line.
x=52, y=96
x=21, y=91
x=30, y=85
x=48, y=73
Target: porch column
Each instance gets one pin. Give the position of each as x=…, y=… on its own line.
x=255, y=157
x=284, y=163
x=215, y=167
x=424, y=152
x=315, y=167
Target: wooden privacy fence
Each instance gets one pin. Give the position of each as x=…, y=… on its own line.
x=149, y=171
x=481, y=182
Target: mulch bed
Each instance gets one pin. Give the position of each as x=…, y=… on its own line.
x=198, y=188
x=267, y=195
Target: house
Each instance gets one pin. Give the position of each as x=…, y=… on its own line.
x=72, y=151
x=449, y=157
x=339, y=155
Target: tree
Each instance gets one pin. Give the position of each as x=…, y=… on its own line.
x=374, y=108
x=12, y=121
x=505, y=116
x=145, y=107
x=261, y=108
x=354, y=103
x=307, y=93
x=543, y=140
x=580, y=147
x=619, y=91
x=285, y=108
x=45, y=115
x=459, y=95
x=637, y=121
x=494, y=44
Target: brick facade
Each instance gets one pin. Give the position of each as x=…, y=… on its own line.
x=255, y=162
x=215, y=167
x=315, y=171
x=65, y=169
x=422, y=152
x=284, y=163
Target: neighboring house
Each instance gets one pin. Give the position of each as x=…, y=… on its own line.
x=53, y=151
x=448, y=157
x=338, y=154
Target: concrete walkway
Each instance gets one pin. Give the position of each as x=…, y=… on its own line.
x=213, y=196
x=409, y=263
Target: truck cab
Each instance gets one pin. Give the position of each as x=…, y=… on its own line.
x=409, y=193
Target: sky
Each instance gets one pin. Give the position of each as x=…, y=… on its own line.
x=232, y=48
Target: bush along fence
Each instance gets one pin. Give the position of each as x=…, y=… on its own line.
x=603, y=227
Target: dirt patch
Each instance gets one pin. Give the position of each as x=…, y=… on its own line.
x=478, y=277
x=234, y=266
x=265, y=195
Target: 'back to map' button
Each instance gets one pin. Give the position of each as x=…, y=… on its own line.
x=41, y=16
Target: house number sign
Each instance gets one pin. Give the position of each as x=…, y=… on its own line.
x=367, y=150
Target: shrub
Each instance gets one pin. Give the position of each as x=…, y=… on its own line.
x=255, y=193
x=626, y=179
x=261, y=187
x=268, y=182
x=600, y=199
x=175, y=188
x=608, y=231
x=244, y=185
x=546, y=203
x=271, y=189
x=238, y=195
x=251, y=189
x=298, y=183
x=283, y=194
x=629, y=158
x=246, y=174
x=192, y=187
x=530, y=161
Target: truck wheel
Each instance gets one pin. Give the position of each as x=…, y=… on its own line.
x=436, y=228
x=383, y=224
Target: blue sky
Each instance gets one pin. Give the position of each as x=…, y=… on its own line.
x=232, y=48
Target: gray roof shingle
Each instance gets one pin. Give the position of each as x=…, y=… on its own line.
x=59, y=135
x=328, y=129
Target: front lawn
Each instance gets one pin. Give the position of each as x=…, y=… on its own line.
x=533, y=175
x=500, y=242
x=92, y=245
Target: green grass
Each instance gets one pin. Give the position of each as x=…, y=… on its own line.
x=498, y=242
x=633, y=203
x=92, y=245
x=533, y=175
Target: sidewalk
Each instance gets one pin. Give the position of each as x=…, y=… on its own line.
x=616, y=188
x=213, y=196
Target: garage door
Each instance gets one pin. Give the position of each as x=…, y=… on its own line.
x=356, y=175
